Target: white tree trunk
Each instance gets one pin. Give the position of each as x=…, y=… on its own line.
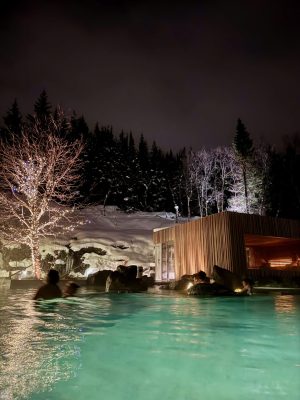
x=36, y=257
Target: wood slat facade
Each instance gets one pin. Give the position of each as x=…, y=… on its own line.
x=221, y=239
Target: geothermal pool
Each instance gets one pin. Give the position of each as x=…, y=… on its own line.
x=149, y=346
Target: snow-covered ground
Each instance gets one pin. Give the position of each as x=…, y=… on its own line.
x=124, y=238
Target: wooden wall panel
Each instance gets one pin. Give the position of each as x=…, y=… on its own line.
x=219, y=239
x=164, y=235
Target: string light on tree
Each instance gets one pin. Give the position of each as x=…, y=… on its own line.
x=40, y=173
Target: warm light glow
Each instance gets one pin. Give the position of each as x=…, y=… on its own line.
x=280, y=262
x=189, y=285
x=285, y=304
x=238, y=290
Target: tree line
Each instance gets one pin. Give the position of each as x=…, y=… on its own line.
x=119, y=170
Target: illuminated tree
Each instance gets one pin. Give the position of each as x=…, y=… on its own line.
x=202, y=166
x=258, y=183
x=225, y=167
x=243, y=147
x=39, y=176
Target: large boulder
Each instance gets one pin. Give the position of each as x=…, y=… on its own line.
x=226, y=278
x=183, y=283
x=129, y=272
x=212, y=289
x=115, y=282
x=124, y=279
x=98, y=278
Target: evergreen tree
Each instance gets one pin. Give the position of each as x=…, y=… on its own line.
x=285, y=179
x=130, y=174
x=103, y=166
x=261, y=179
x=131, y=147
x=158, y=193
x=243, y=147
x=42, y=107
x=79, y=127
x=174, y=172
x=143, y=154
x=13, y=119
x=144, y=174
x=126, y=180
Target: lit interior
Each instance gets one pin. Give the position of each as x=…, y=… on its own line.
x=272, y=252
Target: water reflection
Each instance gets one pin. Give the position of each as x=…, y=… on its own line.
x=38, y=347
x=285, y=304
x=122, y=344
x=40, y=341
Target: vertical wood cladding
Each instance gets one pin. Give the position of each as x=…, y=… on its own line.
x=219, y=239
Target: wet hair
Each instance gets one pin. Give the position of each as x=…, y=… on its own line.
x=53, y=276
x=202, y=275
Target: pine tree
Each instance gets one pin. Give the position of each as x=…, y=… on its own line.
x=174, y=172
x=243, y=147
x=285, y=178
x=42, y=107
x=130, y=172
x=144, y=174
x=143, y=153
x=79, y=127
x=131, y=147
x=158, y=193
x=13, y=119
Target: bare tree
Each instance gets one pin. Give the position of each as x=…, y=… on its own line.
x=202, y=165
x=223, y=175
x=236, y=201
x=188, y=181
x=39, y=178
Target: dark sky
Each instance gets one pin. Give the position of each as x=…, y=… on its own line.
x=181, y=72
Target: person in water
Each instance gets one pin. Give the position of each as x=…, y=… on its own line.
x=50, y=290
x=247, y=287
x=200, y=277
x=71, y=289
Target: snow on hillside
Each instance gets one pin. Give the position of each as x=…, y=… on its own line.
x=124, y=238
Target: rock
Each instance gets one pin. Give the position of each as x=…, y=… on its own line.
x=99, y=278
x=129, y=272
x=183, y=282
x=125, y=280
x=147, y=281
x=115, y=282
x=213, y=289
x=226, y=278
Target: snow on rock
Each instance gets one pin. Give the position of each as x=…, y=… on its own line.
x=122, y=238
x=109, y=238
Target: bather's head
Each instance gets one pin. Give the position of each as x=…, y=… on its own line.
x=53, y=277
x=200, y=277
x=71, y=289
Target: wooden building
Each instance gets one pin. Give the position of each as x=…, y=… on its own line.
x=241, y=243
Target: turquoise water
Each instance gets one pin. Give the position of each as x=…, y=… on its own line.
x=143, y=346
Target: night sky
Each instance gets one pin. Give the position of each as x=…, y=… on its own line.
x=180, y=72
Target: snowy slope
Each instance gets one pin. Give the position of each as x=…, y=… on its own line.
x=125, y=238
